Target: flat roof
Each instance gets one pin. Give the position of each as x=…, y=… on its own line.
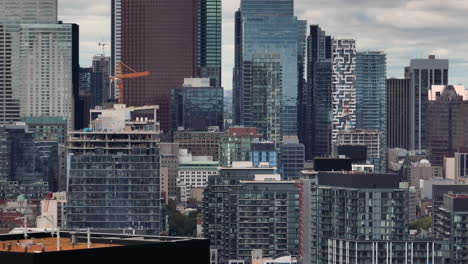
x=47, y=244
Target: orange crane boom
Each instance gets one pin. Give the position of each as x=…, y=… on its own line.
x=122, y=76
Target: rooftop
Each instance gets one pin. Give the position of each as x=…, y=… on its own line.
x=47, y=244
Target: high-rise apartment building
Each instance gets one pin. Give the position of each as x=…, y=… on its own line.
x=371, y=103
x=447, y=125
x=398, y=113
x=423, y=74
x=265, y=95
x=343, y=86
x=451, y=226
x=172, y=39
x=114, y=171
x=197, y=105
x=350, y=205
x=269, y=28
x=315, y=102
x=251, y=211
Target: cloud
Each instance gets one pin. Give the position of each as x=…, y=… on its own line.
x=404, y=29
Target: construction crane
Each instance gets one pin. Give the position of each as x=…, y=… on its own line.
x=118, y=79
x=103, y=45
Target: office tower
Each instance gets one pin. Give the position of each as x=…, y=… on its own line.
x=102, y=66
x=91, y=90
x=423, y=74
x=350, y=205
x=236, y=145
x=114, y=171
x=268, y=28
x=159, y=37
x=266, y=90
x=197, y=105
x=13, y=13
x=371, y=103
x=200, y=143
x=172, y=39
x=322, y=110
x=49, y=70
x=27, y=167
x=447, y=124
x=451, y=226
x=291, y=158
x=262, y=209
x=318, y=82
x=372, y=139
x=398, y=109
x=343, y=86
x=209, y=27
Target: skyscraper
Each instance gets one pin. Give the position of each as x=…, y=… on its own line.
x=209, y=40
x=343, y=86
x=114, y=172
x=172, y=39
x=14, y=13
x=318, y=50
x=102, y=66
x=423, y=74
x=371, y=103
x=269, y=27
x=159, y=37
x=447, y=125
x=398, y=113
x=49, y=70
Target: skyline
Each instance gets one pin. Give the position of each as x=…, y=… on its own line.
x=424, y=27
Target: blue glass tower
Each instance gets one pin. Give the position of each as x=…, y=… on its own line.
x=371, y=102
x=269, y=27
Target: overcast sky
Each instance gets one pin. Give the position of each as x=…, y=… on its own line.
x=404, y=29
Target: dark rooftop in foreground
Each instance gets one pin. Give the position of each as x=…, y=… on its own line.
x=75, y=247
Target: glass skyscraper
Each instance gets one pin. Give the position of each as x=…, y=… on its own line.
x=371, y=102
x=209, y=39
x=269, y=27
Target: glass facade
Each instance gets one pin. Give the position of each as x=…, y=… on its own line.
x=371, y=98
x=423, y=74
x=322, y=110
x=318, y=51
x=209, y=39
x=197, y=108
x=291, y=160
x=270, y=27
x=27, y=167
x=266, y=90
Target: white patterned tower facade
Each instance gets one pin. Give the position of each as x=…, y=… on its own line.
x=343, y=86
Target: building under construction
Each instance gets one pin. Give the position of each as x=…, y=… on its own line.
x=72, y=247
x=113, y=176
